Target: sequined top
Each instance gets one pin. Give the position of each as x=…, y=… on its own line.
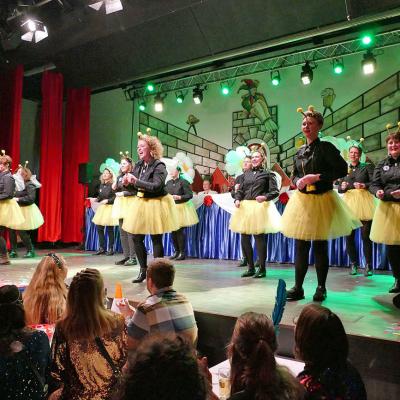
x=18, y=380
x=80, y=368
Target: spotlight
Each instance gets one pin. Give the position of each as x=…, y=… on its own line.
x=306, y=73
x=275, y=78
x=197, y=95
x=33, y=31
x=338, y=66
x=111, y=6
x=158, y=102
x=368, y=63
x=150, y=87
x=179, y=97
x=225, y=89
x=367, y=39
x=142, y=105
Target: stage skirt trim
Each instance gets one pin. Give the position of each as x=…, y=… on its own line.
x=187, y=215
x=152, y=216
x=104, y=217
x=10, y=214
x=361, y=203
x=317, y=217
x=386, y=223
x=254, y=218
x=120, y=206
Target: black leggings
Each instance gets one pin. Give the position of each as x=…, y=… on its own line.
x=367, y=244
x=140, y=248
x=178, y=239
x=102, y=240
x=25, y=237
x=393, y=254
x=261, y=247
x=3, y=244
x=321, y=261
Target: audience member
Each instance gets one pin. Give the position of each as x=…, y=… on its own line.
x=321, y=342
x=254, y=372
x=164, y=310
x=45, y=296
x=207, y=188
x=164, y=367
x=24, y=352
x=89, y=344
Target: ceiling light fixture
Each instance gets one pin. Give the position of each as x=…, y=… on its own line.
x=142, y=105
x=159, y=102
x=197, y=95
x=111, y=6
x=275, y=78
x=307, y=73
x=368, y=63
x=338, y=66
x=33, y=31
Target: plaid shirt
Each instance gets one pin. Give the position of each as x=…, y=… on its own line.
x=165, y=311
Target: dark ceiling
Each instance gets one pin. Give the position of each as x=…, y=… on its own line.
x=150, y=38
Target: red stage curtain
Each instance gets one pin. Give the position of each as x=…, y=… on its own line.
x=10, y=112
x=51, y=156
x=76, y=151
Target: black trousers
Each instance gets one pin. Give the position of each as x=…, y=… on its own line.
x=128, y=247
x=367, y=244
x=140, y=248
x=178, y=239
x=261, y=247
x=321, y=261
x=25, y=237
x=3, y=244
x=102, y=239
x=393, y=253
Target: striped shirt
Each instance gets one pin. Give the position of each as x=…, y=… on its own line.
x=164, y=311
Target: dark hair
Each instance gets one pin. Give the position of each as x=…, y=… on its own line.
x=164, y=367
x=393, y=136
x=162, y=272
x=320, y=338
x=12, y=324
x=253, y=366
x=316, y=115
x=356, y=147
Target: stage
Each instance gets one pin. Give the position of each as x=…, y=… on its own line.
x=219, y=295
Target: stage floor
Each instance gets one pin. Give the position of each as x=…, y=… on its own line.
x=215, y=286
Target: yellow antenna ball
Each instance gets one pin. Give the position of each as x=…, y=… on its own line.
x=388, y=126
x=121, y=153
x=299, y=110
x=148, y=130
x=140, y=134
x=361, y=139
x=311, y=108
x=3, y=152
x=348, y=137
x=26, y=162
x=127, y=152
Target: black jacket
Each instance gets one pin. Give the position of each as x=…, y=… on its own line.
x=238, y=181
x=151, y=178
x=387, y=178
x=106, y=193
x=181, y=188
x=361, y=173
x=319, y=158
x=128, y=190
x=7, y=185
x=257, y=182
x=28, y=195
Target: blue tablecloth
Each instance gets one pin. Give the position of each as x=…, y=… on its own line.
x=211, y=238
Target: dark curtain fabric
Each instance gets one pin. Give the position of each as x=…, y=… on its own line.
x=10, y=112
x=51, y=121
x=76, y=151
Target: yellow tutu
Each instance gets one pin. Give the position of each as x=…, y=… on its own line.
x=33, y=218
x=361, y=203
x=104, y=217
x=187, y=215
x=10, y=214
x=317, y=217
x=386, y=223
x=151, y=216
x=120, y=206
x=254, y=218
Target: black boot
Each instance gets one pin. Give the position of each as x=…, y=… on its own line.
x=368, y=270
x=353, y=269
x=249, y=272
x=110, y=253
x=122, y=262
x=141, y=277
x=396, y=286
x=294, y=294
x=99, y=252
x=13, y=254
x=260, y=273
x=320, y=294
x=176, y=254
x=180, y=257
x=243, y=262
x=130, y=261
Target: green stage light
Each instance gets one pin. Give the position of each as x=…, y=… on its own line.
x=150, y=87
x=179, y=97
x=142, y=105
x=338, y=66
x=367, y=39
x=275, y=78
x=225, y=90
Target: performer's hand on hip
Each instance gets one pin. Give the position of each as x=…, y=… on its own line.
x=260, y=199
x=379, y=194
x=396, y=194
x=237, y=203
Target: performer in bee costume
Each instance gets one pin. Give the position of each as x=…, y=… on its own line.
x=33, y=217
x=315, y=212
x=124, y=192
x=255, y=213
x=361, y=202
x=386, y=187
x=153, y=210
x=103, y=217
x=180, y=190
x=10, y=213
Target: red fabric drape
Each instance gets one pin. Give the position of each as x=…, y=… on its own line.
x=76, y=151
x=10, y=112
x=51, y=156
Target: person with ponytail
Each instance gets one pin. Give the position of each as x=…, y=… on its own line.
x=89, y=344
x=254, y=372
